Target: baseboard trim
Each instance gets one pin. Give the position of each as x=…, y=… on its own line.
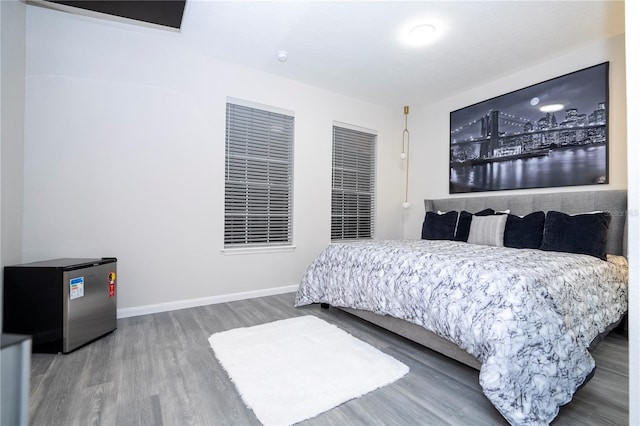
x=202, y=301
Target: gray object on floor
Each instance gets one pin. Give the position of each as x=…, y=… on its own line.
x=159, y=369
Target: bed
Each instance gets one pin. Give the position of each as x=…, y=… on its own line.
x=525, y=317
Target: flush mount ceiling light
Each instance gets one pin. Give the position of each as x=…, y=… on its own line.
x=422, y=33
x=418, y=33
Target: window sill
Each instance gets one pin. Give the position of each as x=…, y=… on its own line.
x=257, y=250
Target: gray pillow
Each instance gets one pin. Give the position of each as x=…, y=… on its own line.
x=487, y=230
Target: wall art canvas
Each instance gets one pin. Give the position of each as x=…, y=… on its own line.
x=550, y=134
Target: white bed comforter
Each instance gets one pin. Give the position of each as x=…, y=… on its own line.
x=527, y=315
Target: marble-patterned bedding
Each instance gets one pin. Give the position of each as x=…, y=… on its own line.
x=527, y=315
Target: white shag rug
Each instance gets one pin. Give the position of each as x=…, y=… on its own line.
x=291, y=370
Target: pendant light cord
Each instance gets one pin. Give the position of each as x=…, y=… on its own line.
x=406, y=136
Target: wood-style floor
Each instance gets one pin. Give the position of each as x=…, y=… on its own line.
x=160, y=370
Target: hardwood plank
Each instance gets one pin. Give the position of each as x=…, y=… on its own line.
x=58, y=389
x=94, y=405
x=160, y=370
x=144, y=411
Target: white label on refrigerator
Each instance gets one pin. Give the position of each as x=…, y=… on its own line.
x=76, y=287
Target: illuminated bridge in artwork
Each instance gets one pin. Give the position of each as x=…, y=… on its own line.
x=499, y=135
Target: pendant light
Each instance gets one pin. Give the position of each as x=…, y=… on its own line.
x=405, y=156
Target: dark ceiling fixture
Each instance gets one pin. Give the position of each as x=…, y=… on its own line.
x=167, y=13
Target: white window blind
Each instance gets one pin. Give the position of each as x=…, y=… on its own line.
x=258, y=177
x=353, y=184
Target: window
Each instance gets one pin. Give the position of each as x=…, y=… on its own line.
x=353, y=184
x=258, y=177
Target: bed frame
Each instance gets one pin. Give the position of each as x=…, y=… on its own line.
x=612, y=201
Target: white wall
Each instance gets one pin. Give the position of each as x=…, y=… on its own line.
x=13, y=36
x=124, y=156
x=632, y=15
x=12, y=65
x=429, y=176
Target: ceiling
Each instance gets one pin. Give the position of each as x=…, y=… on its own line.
x=352, y=47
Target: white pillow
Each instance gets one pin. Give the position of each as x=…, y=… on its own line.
x=487, y=230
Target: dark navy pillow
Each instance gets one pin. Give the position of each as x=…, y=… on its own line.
x=582, y=234
x=524, y=232
x=464, y=223
x=439, y=226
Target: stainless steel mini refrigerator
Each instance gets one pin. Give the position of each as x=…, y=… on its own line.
x=61, y=303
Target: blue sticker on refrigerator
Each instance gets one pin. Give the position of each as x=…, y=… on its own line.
x=76, y=288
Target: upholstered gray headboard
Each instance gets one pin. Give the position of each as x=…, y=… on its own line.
x=612, y=201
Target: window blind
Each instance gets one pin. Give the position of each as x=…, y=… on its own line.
x=353, y=184
x=258, y=177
